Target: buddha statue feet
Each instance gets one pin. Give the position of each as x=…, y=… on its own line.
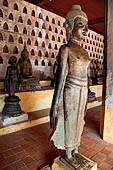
x=76, y=162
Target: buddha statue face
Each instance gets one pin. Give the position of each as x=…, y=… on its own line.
x=80, y=28
x=76, y=23
x=25, y=54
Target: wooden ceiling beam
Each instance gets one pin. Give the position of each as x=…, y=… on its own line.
x=32, y=1
x=42, y=2
x=96, y=21
x=57, y=12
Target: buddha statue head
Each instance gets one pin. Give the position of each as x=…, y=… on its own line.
x=24, y=53
x=12, y=60
x=76, y=20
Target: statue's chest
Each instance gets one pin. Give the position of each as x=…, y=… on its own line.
x=25, y=66
x=78, y=56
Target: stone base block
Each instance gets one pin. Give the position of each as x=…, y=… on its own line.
x=59, y=164
x=12, y=120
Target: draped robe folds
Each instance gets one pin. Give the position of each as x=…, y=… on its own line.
x=68, y=132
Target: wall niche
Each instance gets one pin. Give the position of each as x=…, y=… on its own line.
x=20, y=19
x=20, y=40
x=5, y=26
x=1, y=13
x=1, y=60
x=28, y=42
x=15, y=7
x=11, y=39
x=25, y=10
x=1, y=37
x=5, y=49
x=15, y=28
x=5, y=3
x=11, y=16
x=36, y=62
x=33, y=13
x=15, y=50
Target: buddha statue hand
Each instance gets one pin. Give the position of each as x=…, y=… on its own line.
x=53, y=117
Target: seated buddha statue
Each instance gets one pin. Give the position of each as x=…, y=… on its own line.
x=25, y=71
x=24, y=64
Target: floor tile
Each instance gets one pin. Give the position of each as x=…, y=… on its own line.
x=30, y=149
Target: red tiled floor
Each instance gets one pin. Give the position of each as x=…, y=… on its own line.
x=28, y=160
x=7, y=168
x=105, y=151
x=17, y=149
x=12, y=159
x=1, y=156
x=30, y=149
x=101, y=156
x=22, y=154
x=37, y=156
x=17, y=165
x=95, y=159
x=3, y=163
x=8, y=153
x=105, y=166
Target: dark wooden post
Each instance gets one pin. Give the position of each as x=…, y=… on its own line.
x=106, y=127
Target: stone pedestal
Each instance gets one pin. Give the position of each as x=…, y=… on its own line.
x=12, y=112
x=12, y=107
x=60, y=164
x=13, y=120
x=30, y=84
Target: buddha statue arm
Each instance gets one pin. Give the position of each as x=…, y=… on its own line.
x=60, y=79
x=6, y=83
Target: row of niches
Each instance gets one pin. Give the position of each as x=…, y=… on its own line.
x=30, y=40
x=98, y=49
x=94, y=37
x=48, y=46
x=91, y=38
x=92, y=43
x=35, y=24
x=95, y=55
x=15, y=50
x=40, y=53
x=57, y=38
x=93, y=49
x=34, y=14
x=36, y=62
x=43, y=62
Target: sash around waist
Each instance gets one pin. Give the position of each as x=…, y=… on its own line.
x=73, y=81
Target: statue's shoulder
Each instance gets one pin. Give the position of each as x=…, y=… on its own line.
x=19, y=61
x=64, y=47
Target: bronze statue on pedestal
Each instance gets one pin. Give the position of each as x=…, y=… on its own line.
x=70, y=95
x=12, y=80
x=12, y=77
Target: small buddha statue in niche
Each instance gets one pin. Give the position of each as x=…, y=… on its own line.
x=12, y=77
x=24, y=64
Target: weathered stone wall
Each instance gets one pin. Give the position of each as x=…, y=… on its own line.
x=43, y=33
